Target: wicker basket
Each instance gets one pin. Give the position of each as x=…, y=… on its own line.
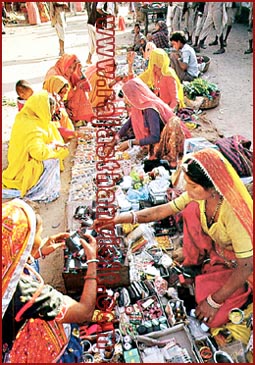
x=206, y=60
x=210, y=103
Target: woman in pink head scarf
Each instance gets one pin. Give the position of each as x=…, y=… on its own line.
x=149, y=115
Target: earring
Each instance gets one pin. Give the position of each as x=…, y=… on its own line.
x=214, y=194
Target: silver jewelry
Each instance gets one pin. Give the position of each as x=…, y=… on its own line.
x=212, y=303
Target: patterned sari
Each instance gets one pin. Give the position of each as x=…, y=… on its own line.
x=38, y=340
x=199, y=245
x=140, y=97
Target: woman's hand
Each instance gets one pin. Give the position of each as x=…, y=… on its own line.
x=89, y=244
x=131, y=57
x=123, y=146
x=205, y=312
x=99, y=224
x=53, y=243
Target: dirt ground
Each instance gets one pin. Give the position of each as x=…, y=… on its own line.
x=231, y=71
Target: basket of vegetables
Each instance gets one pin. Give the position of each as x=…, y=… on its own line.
x=208, y=90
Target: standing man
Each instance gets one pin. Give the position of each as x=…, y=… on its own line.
x=58, y=20
x=214, y=19
x=176, y=12
x=104, y=9
x=184, y=60
x=250, y=31
x=92, y=18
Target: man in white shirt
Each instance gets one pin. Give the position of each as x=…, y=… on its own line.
x=184, y=60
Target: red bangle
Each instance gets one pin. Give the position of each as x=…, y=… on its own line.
x=205, y=352
x=88, y=277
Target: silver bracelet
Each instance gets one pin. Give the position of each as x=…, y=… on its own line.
x=134, y=217
x=40, y=253
x=212, y=303
x=130, y=143
x=92, y=260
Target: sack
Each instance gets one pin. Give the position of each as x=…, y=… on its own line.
x=209, y=283
x=236, y=149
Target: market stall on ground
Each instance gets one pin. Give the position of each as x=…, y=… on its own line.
x=148, y=314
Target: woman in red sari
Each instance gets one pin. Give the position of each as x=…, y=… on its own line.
x=77, y=104
x=149, y=116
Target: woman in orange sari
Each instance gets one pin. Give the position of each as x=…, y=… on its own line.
x=77, y=104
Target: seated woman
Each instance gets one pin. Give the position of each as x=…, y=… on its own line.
x=161, y=78
x=35, y=151
x=30, y=308
x=58, y=86
x=148, y=116
x=102, y=81
x=160, y=36
x=77, y=105
x=218, y=230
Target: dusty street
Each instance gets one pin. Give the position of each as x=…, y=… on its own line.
x=29, y=51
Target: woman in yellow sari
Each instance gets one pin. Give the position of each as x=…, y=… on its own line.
x=217, y=233
x=35, y=151
x=162, y=78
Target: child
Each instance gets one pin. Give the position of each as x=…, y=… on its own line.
x=24, y=91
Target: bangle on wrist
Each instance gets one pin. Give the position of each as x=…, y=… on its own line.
x=134, y=218
x=40, y=253
x=212, y=303
x=92, y=260
x=88, y=277
x=131, y=143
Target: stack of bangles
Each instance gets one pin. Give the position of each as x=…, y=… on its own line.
x=90, y=277
x=134, y=218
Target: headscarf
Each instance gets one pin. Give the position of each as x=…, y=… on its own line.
x=162, y=27
x=161, y=37
x=54, y=84
x=160, y=58
x=18, y=233
x=62, y=66
x=227, y=182
x=141, y=97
